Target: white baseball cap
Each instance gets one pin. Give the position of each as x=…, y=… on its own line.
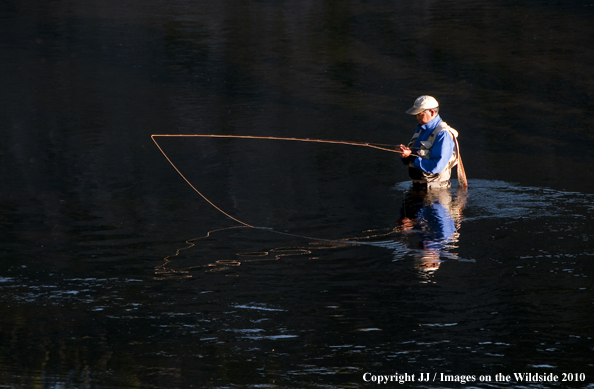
x=422, y=103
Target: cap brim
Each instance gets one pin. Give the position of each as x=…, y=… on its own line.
x=414, y=111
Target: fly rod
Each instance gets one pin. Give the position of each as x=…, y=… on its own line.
x=378, y=146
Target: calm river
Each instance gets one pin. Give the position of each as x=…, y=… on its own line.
x=318, y=266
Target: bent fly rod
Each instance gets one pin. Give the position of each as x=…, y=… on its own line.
x=379, y=146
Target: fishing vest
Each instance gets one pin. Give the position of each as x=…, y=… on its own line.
x=438, y=179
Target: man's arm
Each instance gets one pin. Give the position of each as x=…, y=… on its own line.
x=442, y=151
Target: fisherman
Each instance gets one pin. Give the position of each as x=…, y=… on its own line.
x=432, y=151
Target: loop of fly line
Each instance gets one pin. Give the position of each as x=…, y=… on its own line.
x=372, y=145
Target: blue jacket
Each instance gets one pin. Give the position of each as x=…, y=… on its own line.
x=443, y=148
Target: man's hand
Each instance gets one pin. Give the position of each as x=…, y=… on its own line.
x=405, y=151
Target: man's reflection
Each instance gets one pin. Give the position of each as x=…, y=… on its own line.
x=430, y=219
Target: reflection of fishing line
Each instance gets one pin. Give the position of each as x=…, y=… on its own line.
x=373, y=238
x=378, y=146
x=163, y=269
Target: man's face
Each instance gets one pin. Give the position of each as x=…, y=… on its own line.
x=426, y=116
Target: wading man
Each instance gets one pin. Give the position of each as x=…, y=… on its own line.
x=432, y=151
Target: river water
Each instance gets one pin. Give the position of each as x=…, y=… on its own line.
x=329, y=271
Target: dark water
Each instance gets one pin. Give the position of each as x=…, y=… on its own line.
x=115, y=273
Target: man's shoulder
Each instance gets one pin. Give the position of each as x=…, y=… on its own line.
x=444, y=128
x=443, y=125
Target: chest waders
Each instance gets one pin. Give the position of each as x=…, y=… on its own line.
x=437, y=180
